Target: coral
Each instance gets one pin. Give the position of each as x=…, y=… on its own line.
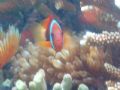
x=112, y=71
x=112, y=85
x=83, y=87
x=66, y=83
x=57, y=86
x=29, y=59
x=39, y=83
x=84, y=63
x=74, y=64
x=93, y=58
x=104, y=38
x=20, y=85
x=9, y=44
x=7, y=83
x=63, y=4
x=71, y=42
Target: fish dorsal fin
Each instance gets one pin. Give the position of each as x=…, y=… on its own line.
x=45, y=23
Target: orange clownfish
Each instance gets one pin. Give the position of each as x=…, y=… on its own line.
x=90, y=14
x=98, y=17
x=48, y=33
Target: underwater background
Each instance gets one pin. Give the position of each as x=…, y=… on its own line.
x=59, y=44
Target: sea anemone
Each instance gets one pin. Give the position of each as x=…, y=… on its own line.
x=9, y=43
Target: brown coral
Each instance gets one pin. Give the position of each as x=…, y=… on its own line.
x=71, y=42
x=55, y=64
x=84, y=63
x=93, y=58
x=112, y=85
x=104, y=38
x=63, y=4
x=112, y=71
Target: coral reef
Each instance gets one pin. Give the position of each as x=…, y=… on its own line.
x=99, y=53
x=85, y=63
x=100, y=42
x=9, y=43
x=91, y=62
x=28, y=60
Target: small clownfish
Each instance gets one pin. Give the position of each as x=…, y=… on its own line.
x=99, y=17
x=48, y=33
x=90, y=14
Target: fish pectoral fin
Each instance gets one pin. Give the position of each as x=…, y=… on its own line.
x=44, y=44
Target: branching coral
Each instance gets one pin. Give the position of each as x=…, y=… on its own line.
x=112, y=71
x=8, y=44
x=66, y=83
x=83, y=65
x=104, y=38
x=83, y=87
x=30, y=59
x=71, y=43
x=112, y=85
x=39, y=83
x=93, y=58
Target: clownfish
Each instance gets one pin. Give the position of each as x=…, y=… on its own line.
x=98, y=17
x=90, y=14
x=48, y=33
